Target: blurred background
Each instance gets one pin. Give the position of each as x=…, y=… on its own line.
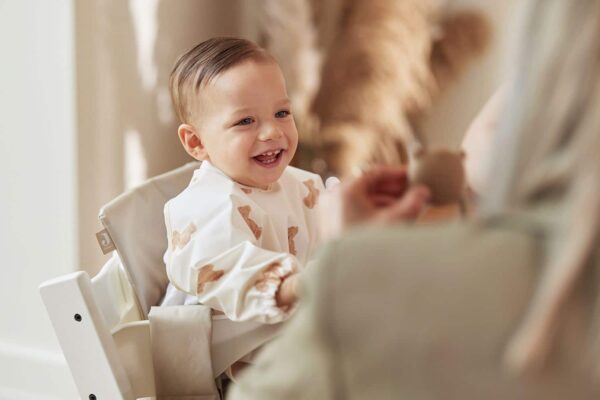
x=85, y=114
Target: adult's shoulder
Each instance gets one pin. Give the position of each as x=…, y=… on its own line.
x=453, y=248
x=458, y=281
x=415, y=253
x=425, y=309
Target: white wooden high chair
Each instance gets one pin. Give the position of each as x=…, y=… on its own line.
x=102, y=323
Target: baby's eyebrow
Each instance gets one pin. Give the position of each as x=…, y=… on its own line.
x=243, y=110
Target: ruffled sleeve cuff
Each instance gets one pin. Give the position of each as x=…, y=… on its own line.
x=260, y=301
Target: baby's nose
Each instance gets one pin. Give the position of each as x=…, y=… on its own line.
x=271, y=133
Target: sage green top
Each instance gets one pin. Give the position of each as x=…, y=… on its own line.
x=422, y=313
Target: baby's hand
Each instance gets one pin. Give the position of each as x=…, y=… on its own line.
x=287, y=294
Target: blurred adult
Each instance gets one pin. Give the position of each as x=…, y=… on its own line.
x=500, y=308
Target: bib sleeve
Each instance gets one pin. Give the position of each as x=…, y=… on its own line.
x=216, y=255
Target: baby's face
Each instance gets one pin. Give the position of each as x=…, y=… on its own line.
x=245, y=123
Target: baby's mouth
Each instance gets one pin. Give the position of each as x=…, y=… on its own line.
x=269, y=157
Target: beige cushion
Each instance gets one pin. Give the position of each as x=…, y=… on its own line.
x=135, y=222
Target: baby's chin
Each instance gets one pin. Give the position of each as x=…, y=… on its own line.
x=264, y=183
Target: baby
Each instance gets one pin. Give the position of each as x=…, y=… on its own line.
x=247, y=223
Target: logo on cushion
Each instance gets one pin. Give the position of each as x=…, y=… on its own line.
x=105, y=241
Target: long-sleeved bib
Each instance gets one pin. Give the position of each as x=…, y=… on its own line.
x=230, y=246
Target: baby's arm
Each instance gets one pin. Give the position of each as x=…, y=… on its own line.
x=218, y=257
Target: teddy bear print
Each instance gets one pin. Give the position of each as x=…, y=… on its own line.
x=180, y=239
x=292, y=232
x=313, y=194
x=206, y=275
x=268, y=276
x=245, y=212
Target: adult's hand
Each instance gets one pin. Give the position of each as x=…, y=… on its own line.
x=381, y=196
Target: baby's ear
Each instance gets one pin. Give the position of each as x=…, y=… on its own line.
x=191, y=141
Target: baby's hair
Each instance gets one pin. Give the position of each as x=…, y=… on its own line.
x=204, y=62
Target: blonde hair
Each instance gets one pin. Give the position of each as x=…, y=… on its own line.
x=549, y=141
x=204, y=62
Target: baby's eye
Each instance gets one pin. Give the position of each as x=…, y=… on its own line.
x=245, y=121
x=282, y=114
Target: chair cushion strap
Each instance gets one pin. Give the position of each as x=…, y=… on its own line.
x=181, y=339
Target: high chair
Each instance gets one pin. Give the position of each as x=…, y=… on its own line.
x=102, y=323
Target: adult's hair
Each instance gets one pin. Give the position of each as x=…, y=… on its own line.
x=204, y=62
x=547, y=157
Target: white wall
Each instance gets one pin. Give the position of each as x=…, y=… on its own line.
x=38, y=232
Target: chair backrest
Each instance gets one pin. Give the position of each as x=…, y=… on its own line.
x=107, y=346
x=135, y=223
